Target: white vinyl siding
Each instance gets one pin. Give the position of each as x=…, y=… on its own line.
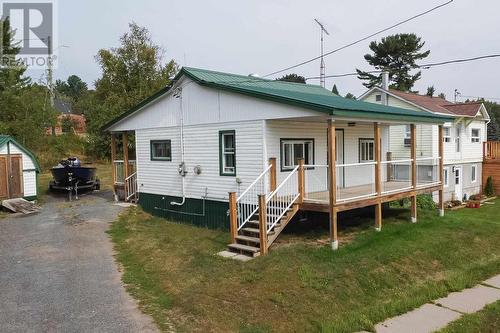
x=201, y=149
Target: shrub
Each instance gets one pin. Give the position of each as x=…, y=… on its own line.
x=489, y=189
x=425, y=201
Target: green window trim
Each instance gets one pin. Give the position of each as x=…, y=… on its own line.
x=223, y=153
x=155, y=158
x=292, y=141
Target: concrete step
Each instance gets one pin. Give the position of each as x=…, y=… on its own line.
x=244, y=249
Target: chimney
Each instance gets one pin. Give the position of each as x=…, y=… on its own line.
x=385, y=80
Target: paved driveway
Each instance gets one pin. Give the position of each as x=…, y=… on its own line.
x=57, y=273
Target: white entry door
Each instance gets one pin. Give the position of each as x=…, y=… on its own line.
x=339, y=148
x=458, y=183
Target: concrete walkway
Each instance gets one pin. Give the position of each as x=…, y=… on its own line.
x=57, y=272
x=441, y=312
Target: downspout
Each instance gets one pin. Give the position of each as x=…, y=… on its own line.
x=182, y=166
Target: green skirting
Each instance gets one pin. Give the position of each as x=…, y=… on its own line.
x=31, y=198
x=201, y=213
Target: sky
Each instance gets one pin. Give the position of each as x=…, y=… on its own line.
x=262, y=36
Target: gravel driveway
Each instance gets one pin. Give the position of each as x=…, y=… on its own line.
x=57, y=272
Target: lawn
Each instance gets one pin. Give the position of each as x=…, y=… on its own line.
x=485, y=321
x=302, y=285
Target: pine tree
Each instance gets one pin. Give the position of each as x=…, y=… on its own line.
x=292, y=78
x=335, y=90
x=430, y=91
x=398, y=55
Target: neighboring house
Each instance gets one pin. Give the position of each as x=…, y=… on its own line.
x=214, y=141
x=67, y=121
x=463, y=137
x=18, y=170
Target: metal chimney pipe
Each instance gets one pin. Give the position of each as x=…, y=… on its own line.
x=385, y=80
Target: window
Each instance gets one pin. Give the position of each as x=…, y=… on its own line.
x=475, y=135
x=446, y=134
x=473, y=173
x=407, y=136
x=378, y=98
x=161, y=150
x=457, y=140
x=446, y=176
x=366, y=150
x=227, y=155
x=294, y=149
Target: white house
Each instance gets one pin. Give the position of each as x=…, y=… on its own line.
x=18, y=170
x=215, y=138
x=463, y=137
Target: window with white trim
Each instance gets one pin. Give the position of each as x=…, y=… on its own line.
x=227, y=155
x=446, y=134
x=473, y=176
x=294, y=149
x=458, y=133
x=378, y=98
x=366, y=150
x=475, y=135
x=446, y=175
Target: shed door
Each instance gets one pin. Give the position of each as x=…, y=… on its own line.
x=4, y=194
x=16, y=177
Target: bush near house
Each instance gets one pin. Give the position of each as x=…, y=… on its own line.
x=489, y=188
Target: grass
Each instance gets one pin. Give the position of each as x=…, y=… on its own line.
x=484, y=321
x=303, y=286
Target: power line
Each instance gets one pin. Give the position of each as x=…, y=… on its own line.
x=424, y=66
x=362, y=39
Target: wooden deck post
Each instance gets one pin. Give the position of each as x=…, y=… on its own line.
x=390, y=176
x=378, y=175
x=413, y=171
x=125, y=161
x=332, y=182
x=301, y=181
x=262, y=224
x=272, y=173
x=233, y=216
x=113, y=166
x=441, y=170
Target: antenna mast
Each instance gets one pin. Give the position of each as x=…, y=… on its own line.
x=322, y=68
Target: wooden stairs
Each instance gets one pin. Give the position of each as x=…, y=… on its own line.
x=249, y=238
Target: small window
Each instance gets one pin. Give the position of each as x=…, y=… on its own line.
x=473, y=173
x=366, y=150
x=446, y=134
x=227, y=156
x=161, y=150
x=407, y=136
x=378, y=98
x=446, y=176
x=457, y=139
x=294, y=149
x=475, y=135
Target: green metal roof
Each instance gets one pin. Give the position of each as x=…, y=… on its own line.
x=309, y=96
x=4, y=139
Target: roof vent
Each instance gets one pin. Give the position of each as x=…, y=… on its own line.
x=254, y=75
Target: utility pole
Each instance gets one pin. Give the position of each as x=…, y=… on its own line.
x=457, y=93
x=322, y=68
x=50, y=71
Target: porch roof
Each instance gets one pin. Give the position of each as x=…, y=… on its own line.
x=308, y=96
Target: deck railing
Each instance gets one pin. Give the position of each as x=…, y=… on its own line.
x=131, y=186
x=397, y=175
x=427, y=171
x=247, y=203
x=359, y=179
x=282, y=199
x=491, y=150
x=119, y=166
x=316, y=182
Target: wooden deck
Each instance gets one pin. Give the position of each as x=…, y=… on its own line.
x=364, y=196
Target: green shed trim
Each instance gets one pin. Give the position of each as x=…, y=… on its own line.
x=309, y=96
x=5, y=139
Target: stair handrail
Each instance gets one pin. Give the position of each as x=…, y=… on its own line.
x=247, y=202
x=278, y=206
x=131, y=186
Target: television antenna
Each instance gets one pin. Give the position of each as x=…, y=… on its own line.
x=322, y=68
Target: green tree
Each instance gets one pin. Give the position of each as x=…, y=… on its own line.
x=11, y=69
x=74, y=87
x=335, y=90
x=350, y=96
x=442, y=95
x=130, y=73
x=292, y=78
x=431, y=91
x=398, y=55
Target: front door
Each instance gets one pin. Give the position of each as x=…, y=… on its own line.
x=4, y=189
x=458, y=183
x=339, y=148
x=16, y=177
